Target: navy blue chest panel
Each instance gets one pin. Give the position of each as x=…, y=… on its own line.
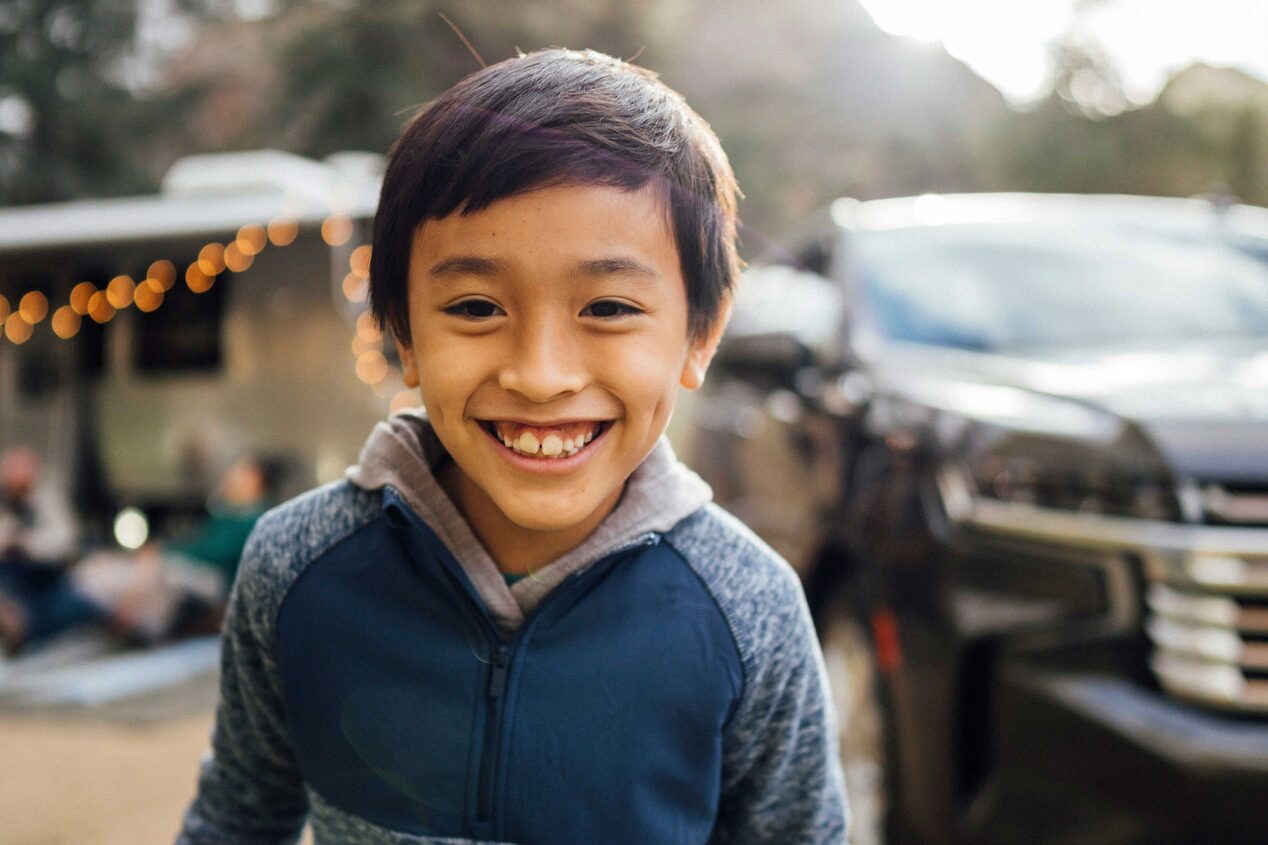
x=600, y=722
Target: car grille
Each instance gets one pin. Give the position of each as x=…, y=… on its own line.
x=1208, y=613
x=1235, y=504
x=1208, y=622
x=1206, y=606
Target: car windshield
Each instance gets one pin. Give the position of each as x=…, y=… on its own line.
x=995, y=288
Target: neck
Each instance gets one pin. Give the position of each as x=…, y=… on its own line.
x=515, y=549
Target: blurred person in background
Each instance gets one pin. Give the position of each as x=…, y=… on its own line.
x=38, y=538
x=168, y=588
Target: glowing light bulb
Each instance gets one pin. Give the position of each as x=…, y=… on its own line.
x=149, y=295
x=335, y=230
x=371, y=366
x=99, y=308
x=33, y=307
x=402, y=400
x=368, y=327
x=196, y=280
x=16, y=329
x=211, y=259
x=66, y=321
x=237, y=260
x=163, y=272
x=131, y=528
x=283, y=231
x=120, y=291
x=79, y=296
x=252, y=238
x=355, y=288
x=359, y=261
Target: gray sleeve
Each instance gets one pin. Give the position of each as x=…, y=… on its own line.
x=782, y=779
x=781, y=769
x=249, y=788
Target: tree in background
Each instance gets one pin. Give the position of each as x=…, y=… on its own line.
x=812, y=101
x=320, y=77
x=1203, y=133
x=62, y=97
x=1189, y=141
x=74, y=115
x=1248, y=155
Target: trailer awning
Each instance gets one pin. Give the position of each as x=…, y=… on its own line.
x=205, y=195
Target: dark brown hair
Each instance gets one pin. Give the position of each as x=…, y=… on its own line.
x=558, y=117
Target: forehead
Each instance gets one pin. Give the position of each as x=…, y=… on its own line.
x=549, y=230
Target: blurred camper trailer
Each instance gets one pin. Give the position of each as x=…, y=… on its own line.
x=148, y=340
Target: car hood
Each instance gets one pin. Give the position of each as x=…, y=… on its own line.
x=1205, y=405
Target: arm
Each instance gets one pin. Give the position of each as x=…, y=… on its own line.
x=782, y=779
x=249, y=789
x=52, y=538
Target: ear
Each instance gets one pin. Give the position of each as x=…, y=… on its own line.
x=702, y=350
x=409, y=367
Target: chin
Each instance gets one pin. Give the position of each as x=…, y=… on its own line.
x=532, y=520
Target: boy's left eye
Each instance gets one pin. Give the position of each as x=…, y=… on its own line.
x=610, y=308
x=473, y=309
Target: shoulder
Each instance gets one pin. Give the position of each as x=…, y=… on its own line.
x=304, y=527
x=287, y=538
x=757, y=590
x=733, y=561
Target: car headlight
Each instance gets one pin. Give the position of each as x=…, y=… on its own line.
x=1023, y=447
x=1124, y=480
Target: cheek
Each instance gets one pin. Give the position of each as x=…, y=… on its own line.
x=645, y=376
x=446, y=378
x=661, y=345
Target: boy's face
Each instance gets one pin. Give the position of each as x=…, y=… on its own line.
x=556, y=321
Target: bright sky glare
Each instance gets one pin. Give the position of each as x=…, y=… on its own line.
x=1007, y=41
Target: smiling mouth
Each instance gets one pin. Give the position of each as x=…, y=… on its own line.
x=546, y=442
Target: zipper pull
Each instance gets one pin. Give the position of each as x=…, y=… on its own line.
x=497, y=680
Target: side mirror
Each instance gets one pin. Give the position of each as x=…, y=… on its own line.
x=783, y=321
x=771, y=360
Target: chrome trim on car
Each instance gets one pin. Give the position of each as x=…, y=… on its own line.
x=1235, y=506
x=1231, y=560
x=1025, y=522
x=1211, y=683
x=1207, y=600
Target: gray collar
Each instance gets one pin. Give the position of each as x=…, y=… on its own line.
x=403, y=452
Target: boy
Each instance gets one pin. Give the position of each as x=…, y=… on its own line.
x=519, y=619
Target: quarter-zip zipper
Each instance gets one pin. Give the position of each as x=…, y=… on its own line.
x=502, y=656
x=492, y=734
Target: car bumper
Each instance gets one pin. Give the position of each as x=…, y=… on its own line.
x=1091, y=757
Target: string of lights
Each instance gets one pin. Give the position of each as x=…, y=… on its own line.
x=237, y=256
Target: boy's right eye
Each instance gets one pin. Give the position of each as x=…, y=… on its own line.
x=474, y=309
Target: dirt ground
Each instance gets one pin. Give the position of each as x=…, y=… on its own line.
x=79, y=780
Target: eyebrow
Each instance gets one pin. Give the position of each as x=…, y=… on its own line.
x=473, y=265
x=467, y=265
x=597, y=267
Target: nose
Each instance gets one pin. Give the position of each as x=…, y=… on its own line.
x=545, y=363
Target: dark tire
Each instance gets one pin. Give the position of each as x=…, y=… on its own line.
x=863, y=736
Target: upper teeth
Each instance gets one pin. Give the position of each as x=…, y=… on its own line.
x=551, y=446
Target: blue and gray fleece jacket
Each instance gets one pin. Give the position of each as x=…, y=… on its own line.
x=659, y=684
